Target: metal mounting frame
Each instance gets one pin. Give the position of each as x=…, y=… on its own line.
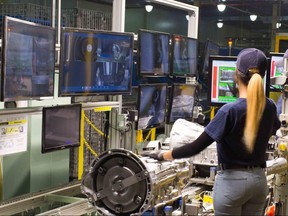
x=118, y=16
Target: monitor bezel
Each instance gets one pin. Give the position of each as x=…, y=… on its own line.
x=44, y=148
x=170, y=101
x=3, y=96
x=172, y=73
x=139, y=105
x=61, y=93
x=139, y=53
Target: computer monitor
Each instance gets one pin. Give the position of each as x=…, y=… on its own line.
x=28, y=60
x=61, y=127
x=181, y=102
x=184, y=56
x=222, y=88
x=95, y=62
x=276, y=69
x=153, y=53
x=151, y=103
x=211, y=48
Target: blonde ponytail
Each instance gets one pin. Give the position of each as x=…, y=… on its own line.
x=256, y=101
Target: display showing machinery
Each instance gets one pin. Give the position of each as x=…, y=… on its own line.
x=120, y=182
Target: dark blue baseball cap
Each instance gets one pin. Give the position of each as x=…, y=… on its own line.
x=251, y=58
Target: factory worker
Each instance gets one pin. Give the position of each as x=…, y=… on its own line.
x=241, y=130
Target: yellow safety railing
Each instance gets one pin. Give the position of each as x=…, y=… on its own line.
x=151, y=134
x=81, y=148
x=212, y=113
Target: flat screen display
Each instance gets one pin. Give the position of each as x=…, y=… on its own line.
x=28, y=60
x=61, y=127
x=153, y=53
x=184, y=56
x=181, y=102
x=276, y=69
x=211, y=48
x=151, y=102
x=222, y=87
x=95, y=62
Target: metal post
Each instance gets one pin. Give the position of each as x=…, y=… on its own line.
x=273, y=25
x=118, y=23
x=118, y=15
x=59, y=23
x=193, y=12
x=53, y=13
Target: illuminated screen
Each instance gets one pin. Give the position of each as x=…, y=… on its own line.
x=28, y=60
x=222, y=88
x=60, y=127
x=95, y=62
x=151, y=105
x=181, y=103
x=153, y=53
x=184, y=56
x=276, y=68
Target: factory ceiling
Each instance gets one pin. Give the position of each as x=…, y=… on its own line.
x=237, y=13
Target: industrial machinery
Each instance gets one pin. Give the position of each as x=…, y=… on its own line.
x=120, y=182
x=278, y=166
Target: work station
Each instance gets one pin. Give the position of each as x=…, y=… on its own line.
x=127, y=107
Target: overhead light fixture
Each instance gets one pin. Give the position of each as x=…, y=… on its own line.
x=253, y=17
x=187, y=17
x=149, y=8
x=278, y=25
x=221, y=7
x=219, y=24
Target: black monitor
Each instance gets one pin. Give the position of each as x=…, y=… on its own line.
x=95, y=62
x=211, y=48
x=276, y=69
x=28, y=60
x=151, y=104
x=153, y=53
x=222, y=88
x=184, y=56
x=181, y=102
x=61, y=127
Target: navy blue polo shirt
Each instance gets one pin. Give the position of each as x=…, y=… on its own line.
x=227, y=130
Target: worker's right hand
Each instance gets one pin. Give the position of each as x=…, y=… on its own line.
x=157, y=155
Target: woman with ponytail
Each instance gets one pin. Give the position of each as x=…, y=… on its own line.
x=241, y=130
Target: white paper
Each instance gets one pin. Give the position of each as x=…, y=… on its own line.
x=13, y=134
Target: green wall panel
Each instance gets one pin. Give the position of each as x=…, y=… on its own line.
x=49, y=169
x=16, y=174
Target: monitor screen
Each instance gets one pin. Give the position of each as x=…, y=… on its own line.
x=61, y=127
x=28, y=60
x=222, y=88
x=151, y=105
x=181, y=102
x=276, y=68
x=184, y=56
x=153, y=53
x=211, y=48
x=95, y=62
